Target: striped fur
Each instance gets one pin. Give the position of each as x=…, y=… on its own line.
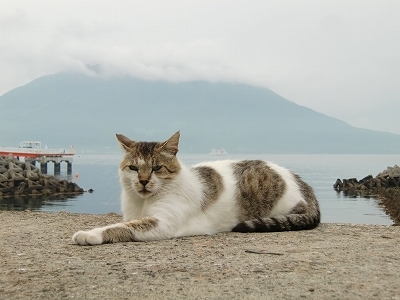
x=162, y=198
x=302, y=216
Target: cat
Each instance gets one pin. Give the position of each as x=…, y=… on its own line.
x=162, y=198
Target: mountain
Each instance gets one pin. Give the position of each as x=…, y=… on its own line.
x=64, y=109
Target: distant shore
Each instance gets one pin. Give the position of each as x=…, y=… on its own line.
x=343, y=261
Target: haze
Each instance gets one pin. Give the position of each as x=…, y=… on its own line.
x=340, y=58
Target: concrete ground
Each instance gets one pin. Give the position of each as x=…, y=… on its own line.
x=334, y=261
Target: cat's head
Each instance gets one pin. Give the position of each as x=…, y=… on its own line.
x=148, y=167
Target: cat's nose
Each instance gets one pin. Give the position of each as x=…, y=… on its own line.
x=143, y=182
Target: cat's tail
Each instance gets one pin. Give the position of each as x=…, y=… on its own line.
x=302, y=217
x=279, y=223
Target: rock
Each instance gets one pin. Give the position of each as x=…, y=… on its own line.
x=22, y=178
x=4, y=176
x=391, y=201
x=390, y=172
x=386, y=186
x=15, y=175
x=366, y=178
x=386, y=179
x=338, y=185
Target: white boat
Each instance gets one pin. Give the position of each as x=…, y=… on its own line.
x=218, y=152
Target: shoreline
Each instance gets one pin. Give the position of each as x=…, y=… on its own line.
x=343, y=261
x=390, y=199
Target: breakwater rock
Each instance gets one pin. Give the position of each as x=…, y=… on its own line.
x=19, y=178
x=391, y=200
x=385, y=186
x=370, y=185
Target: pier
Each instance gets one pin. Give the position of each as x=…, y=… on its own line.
x=33, y=152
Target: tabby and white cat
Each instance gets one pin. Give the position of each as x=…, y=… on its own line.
x=162, y=198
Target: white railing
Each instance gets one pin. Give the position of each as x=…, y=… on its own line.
x=40, y=152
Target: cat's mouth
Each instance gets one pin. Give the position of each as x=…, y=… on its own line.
x=144, y=192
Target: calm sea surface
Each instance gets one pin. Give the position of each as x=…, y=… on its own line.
x=100, y=173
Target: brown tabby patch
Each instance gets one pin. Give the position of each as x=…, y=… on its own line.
x=300, y=208
x=213, y=185
x=117, y=234
x=126, y=234
x=312, y=203
x=259, y=188
x=145, y=156
x=144, y=224
x=302, y=217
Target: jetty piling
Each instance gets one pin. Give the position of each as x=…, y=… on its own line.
x=32, y=152
x=57, y=164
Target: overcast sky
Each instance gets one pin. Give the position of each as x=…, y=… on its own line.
x=341, y=58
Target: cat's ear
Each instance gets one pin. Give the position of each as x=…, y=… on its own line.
x=125, y=142
x=171, y=145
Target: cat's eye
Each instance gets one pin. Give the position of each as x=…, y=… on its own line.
x=156, y=168
x=133, y=168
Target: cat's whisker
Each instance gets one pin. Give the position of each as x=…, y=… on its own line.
x=114, y=199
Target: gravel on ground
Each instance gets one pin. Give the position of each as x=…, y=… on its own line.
x=339, y=261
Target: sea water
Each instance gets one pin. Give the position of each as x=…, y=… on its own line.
x=100, y=173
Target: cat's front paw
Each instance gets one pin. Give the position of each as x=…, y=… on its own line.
x=91, y=237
